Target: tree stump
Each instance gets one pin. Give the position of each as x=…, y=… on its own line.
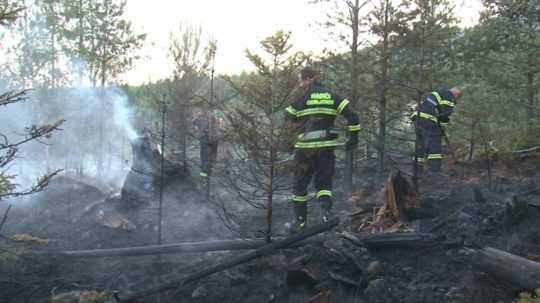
x=145, y=173
x=400, y=199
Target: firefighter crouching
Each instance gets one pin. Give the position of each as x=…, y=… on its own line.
x=315, y=111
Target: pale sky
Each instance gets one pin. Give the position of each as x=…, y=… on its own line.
x=236, y=24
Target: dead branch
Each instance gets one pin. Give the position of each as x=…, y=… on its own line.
x=8, y=14
x=8, y=156
x=12, y=96
x=166, y=283
x=527, y=150
x=34, y=132
x=41, y=183
x=187, y=247
x=391, y=240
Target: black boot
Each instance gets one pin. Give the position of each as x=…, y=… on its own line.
x=300, y=218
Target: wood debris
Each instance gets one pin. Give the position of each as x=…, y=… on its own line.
x=29, y=239
x=81, y=297
x=392, y=216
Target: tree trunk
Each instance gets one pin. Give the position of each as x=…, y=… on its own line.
x=516, y=270
x=81, y=40
x=103, y=79
x=383, y=87
x=349, y=159
x=531, y=113
x=420, y=86
x=472, y=140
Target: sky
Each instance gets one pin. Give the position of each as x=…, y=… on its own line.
x=237, y=25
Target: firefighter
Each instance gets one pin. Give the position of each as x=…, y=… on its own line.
x=314, y=112
x=431, y=118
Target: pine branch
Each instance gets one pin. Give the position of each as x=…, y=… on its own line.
x=13, y=97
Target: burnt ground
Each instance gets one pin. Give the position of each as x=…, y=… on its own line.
x=467, y=211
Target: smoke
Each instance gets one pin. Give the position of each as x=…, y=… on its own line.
x=94, y=141
x=123, y=115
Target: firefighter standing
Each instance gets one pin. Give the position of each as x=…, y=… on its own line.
x=431, y=118
x=315, y=112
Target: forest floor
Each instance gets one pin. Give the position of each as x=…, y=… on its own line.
x=467, y=210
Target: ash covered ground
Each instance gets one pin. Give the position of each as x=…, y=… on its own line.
x=468, y=212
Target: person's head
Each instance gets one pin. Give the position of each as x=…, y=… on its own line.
x=308, y=75
x=200, y=111
x=456, y=91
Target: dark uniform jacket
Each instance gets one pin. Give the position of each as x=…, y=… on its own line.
x=436, y=107
x=316, y=110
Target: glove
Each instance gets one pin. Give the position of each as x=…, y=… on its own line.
x=352, y=143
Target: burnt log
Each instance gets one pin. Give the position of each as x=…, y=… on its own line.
x=167, y=282
x=518, y=271
x=145, y=173
x=188, y=247
x=391, y=240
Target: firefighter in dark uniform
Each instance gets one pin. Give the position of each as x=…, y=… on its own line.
x=431, y=118
x=315, y=111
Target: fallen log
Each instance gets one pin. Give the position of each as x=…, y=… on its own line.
x=187, y=247
x=527, y=150
x=390, y=240
x=516, y=270
x=166, y=282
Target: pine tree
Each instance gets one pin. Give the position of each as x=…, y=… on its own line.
x=255, y=123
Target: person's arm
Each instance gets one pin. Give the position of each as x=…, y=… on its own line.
x=353, y=122
x=446, y=108
x=290, y=126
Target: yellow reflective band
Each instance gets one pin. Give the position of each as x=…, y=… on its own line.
x=355, y=128
x=428, y=116
x=299, y=199
x=303, y=224
x=317, y=111
x=319, y=144
x=324, y=193
x=342, y=105
x=203, y=174
x=434, y=156
x=444, y=124
x=291, y=110
x=447, y=103
x=436, y=94
x=320, y=102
